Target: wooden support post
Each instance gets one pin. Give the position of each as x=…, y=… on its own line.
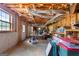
x=27, y=29
x=20, y=30
x=73, y=7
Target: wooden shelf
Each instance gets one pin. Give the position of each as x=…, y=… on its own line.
x=73, y=30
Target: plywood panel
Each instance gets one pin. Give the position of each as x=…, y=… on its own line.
x=68, y=21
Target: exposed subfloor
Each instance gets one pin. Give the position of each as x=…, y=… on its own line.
x=30, y=49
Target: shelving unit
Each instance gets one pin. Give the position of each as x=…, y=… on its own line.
x=72, y=32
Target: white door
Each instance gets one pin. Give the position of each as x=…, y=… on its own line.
x=23, y=31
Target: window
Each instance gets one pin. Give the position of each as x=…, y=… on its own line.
x=0, y=25
x=4, y=21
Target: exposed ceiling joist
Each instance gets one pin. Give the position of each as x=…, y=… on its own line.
x=42, y=11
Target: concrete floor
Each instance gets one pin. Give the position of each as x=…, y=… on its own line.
x=30, y=49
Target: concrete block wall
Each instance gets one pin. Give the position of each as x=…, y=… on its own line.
x=8, y=40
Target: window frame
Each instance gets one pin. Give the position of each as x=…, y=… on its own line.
x=5, y=21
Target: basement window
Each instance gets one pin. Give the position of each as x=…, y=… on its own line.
x=5, y=23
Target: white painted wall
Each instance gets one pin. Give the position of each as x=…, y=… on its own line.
x=7, y=40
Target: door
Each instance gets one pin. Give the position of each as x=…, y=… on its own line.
x=23, y=31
